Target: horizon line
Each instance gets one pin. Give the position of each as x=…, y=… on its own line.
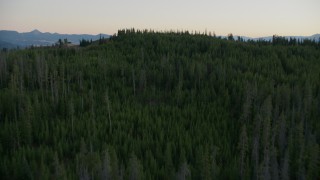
x=164, y=31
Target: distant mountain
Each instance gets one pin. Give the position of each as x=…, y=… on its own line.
x=14, y=39
x=315, y=37
x=4, y=44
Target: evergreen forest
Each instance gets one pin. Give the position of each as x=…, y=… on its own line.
x=162, y=105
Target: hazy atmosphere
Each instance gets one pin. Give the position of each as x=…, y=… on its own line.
x=248, y=17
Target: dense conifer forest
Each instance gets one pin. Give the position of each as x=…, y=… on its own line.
x=170, y=105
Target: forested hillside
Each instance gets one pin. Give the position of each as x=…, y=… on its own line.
x=174, y=105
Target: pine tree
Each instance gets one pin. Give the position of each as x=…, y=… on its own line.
x=314, y=161
x=133, y=82
x=215, y=172
x=168, y=161
x=274, y=165
x=266, y=112
x=114, y=164
x=256, y=146
x=205, y=170
x=184, y=172
x=109, y=111
x=26, y=124
x=106, y=168
x=243, y=148
x=247, y=105
x=59, y=171
x=82, y=162
x=71, y=115
x=134, y=168
x=285, y=174
x=282, y=139
x=301, y=157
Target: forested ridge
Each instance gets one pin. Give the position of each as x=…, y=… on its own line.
x=151, y=105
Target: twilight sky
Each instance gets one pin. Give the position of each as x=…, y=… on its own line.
x=241, y=17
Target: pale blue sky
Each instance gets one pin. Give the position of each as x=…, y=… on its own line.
x=241, y=17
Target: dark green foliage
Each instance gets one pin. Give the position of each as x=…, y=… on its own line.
x=84, y=43
x=149, y=105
